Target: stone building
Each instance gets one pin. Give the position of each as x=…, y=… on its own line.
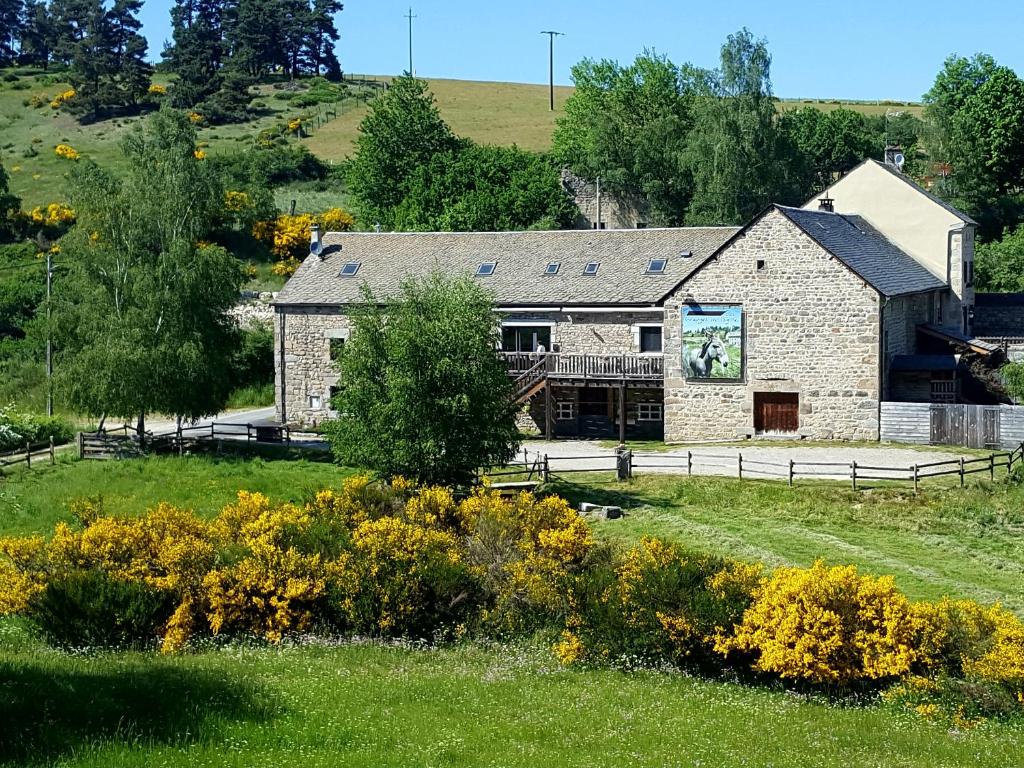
x=801, y=322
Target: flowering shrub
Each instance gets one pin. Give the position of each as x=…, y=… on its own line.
x=827, y=626
x=156, y=90
x=62, y=98
x=199, y=154
x=237, y=202
x=195, y=117
x=55, y=215
x=288, y=236
x=66, y=151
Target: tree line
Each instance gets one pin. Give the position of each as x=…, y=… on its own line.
x=219, y=48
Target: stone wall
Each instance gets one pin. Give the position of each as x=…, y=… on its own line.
x=812, y=327
x=253, y=312
x=618, y=211
x=999, y=314
x=303, y=371
x=589, y=333
x=900, y=317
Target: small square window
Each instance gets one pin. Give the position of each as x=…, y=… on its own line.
x=592, y=268
x=337, y=349
x=657, y=266
x=649, y=412
x=552, y=268
x=650, y=338
x=350, y=269
x=760, y=265
x=565, y=410
x=315, y=402
x=486, y=269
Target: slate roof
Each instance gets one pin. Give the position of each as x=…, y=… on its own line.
x=934, y=198
x=879, y=262
x=519, y=279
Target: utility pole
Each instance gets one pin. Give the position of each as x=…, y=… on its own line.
x=49, y=335
x=551, y=63
x=410, y=17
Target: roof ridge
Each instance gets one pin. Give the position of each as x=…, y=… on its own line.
x=537, y=232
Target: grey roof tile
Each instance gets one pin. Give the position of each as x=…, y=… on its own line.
x=387, y=258
x=889, y=269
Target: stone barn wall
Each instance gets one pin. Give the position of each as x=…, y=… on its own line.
x=812, y=327
x=303, y=371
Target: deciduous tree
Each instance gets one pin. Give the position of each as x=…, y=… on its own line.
x=423, y=393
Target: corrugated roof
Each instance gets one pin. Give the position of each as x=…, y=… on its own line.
x=521, y=258
x=879, y=262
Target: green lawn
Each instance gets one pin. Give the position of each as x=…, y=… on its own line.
x=464, y=706
x=32, y=501
x=327, y=705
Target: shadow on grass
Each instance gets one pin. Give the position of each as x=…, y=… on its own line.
x=53, y=707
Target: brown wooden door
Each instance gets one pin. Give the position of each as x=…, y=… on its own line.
x=776, y=412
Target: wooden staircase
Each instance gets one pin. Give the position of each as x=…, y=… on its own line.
x=530, y=382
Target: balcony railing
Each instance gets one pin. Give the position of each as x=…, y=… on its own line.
x=559, y=365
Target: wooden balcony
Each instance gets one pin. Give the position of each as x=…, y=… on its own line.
x=597, y=369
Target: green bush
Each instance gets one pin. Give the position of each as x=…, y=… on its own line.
x=88, y=609
x=18, y=428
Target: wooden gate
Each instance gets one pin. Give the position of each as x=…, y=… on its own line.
x=976, y=426
x=776, y=412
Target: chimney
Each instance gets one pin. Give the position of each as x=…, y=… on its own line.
x=894, y=157
x=316, y=247
x=827, y=204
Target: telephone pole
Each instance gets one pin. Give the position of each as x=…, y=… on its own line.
x=49, y=335
x=410, y=17
x=551, y=63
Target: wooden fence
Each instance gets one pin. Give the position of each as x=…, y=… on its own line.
x=974, y=426
x=125, y=443
x=625, y=464
x=31, y=453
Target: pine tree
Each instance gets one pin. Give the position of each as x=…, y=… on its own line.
x=254, y=37
x=321, y=37
x=198, y=50
x=38, y=34
x=10, y=30
x=133, y=74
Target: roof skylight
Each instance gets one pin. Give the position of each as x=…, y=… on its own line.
x=350, y=269
x=592, y=268
x=552, y=268
x=656, y=266
x=486, y=269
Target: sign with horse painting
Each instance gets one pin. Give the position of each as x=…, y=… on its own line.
x=713, y=342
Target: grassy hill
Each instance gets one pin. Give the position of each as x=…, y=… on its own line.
x=489, y=113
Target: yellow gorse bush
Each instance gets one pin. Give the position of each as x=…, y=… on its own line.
x=288, y=236
x=66, y=151
x=157, y=90
x=828, y=626
x=62, y=98
x=52, y=215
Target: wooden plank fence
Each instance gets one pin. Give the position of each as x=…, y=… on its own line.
x=973, y=426
x=125, y=443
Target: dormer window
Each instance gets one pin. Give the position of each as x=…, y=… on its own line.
x=486, y=269
x=656, y=266
x=552, y=268
x=592, y=268
x=350, y=269
x=686, y=254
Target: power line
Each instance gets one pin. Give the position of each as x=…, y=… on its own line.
x=551, y=63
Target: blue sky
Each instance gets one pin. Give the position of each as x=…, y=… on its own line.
x=865, y=49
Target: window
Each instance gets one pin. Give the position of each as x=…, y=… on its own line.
x=649, y=412
x=641, y=225
x=650, y=338
x=350, y=269
x=337, y=349
x=552, y=268
x=970, y=273
x=315, y=402
x=565, y=410
x=656, y=266
x=760, y=265
x=486, y=269
x=592, y=268
x=525, y=338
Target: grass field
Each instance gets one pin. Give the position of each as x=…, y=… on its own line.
x=330, y=704
x=466, y=706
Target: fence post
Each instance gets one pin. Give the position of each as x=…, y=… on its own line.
x=915, y=479
x=991, y=466
x=28, y=454
x=961, y=471
x=689, y=463
x=739, y=460
x=81, y=445
x=546, y=469
x=53, y=455
x=790, y=473
x=853, y=474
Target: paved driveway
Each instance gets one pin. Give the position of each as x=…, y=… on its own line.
x=760, y=459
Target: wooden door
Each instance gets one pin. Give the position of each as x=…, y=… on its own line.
x=776, y=412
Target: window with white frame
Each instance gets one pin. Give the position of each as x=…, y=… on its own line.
x=649, y=412
x=315, y=402
x=565, y=410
